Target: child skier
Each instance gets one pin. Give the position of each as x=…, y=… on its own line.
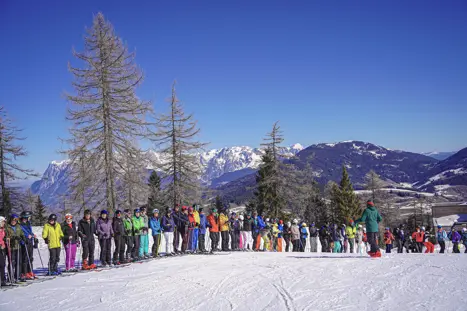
x=234, y=232
x=203, y=224
x=359, y=237
x=336, y=239
x=295, y=234
x=2, y=252
x=388, y=239
x=52, y=235
x=168, y=226
x=213, y=225
x=280, y=227
x=155, y=226
x=303, y=236
x=104, y=233
x=15, y=239
x=144, y=238
x=118, y=228
x=129, y=235
x=441, y=237
x=70, y=242
x=275, y=235
x=456, y=238
x=350, y=232
x=27, y=250
x=418, y=236
x=429, y=247
x=86, y=231
x=313, y=238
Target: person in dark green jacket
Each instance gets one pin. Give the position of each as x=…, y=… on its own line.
x=371, y=218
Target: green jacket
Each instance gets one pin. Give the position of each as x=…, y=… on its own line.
x=371, y=218
x=15, y=234
x=128, y=225
x=138, y=224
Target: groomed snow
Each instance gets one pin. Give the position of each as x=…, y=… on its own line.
x=258, y=281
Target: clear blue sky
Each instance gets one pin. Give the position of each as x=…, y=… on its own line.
x=389, y=72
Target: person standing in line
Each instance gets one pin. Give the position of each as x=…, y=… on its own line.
x=464, y=238
x=155, y=225
x=280, y=236
x=388, y=239
x=52, y=235
x=179, y=227
x=441, y=237
x=350, y=232
x=129, y=235
x=343, y=239
x=418, y=236
x=203, y=224
x=27, y=250
x=15, y=239
x=295, y=235
x=70, y=242
x=86, y=231
x=371, y=218
x=2, y=252
x=248, y=229
x=138, y=225
x=196, y=215
x=401, y=239
x=336, y=239
x=234, y=231
x=456, y=239
x=144, y=237
x=185, y=223
x=168, y=227
x=313, y=238
x=224, y=227
x=359, y=240
x=119, y=238
x=191, y=231
x=258, y=225
x=213, y=225
x=324, y=237
x=105, y=233
x=303, y=236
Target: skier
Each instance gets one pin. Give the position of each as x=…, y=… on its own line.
x=118, y=227
x=168, y=226
x=128, y=235
x=27, y=249
x=203, y=224
x=388, y=239
x=2, y=251
x=138, y=225
x=191, y=231
x=185, y=224
x=70, y=242
x=144, y=237
x=280, y=236
x=401, y=239
x=365, y=240
x=295, y=235
x=234, y=231
x=371, y=217
x=464, y=238
x=14, y=238
x=213, y=225
x=303, y=236
x=287, y=233
x=456, y=238
x=86, y=231
x=336, y=239
x=359, y=237
x=343, y=239
x=243, y=233
x=350, y=232
x=324, y=238
x=105, y=233
x=441, y=237
x=264, y=235
x=247, y=229
x=418, y=236
x=196, y=228
x=313, y=238
x=155, y=225
x=224, y=227
x=430, y=247
x=258, y=225
x=275, y=235
x=52, y=235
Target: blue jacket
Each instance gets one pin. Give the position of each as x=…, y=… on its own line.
x=258, y=224
x=441, y=236
x=155, y=225
x=455, y=236
x=281, y=229
x=203, y=223
x=27, y=230
x=168, y=224
x=303, y=233
x=464, y=238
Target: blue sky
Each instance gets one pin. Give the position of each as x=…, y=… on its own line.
x=389, y=72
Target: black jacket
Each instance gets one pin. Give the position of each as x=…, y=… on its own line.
x=313, y=232
x=69, y=232
x=117, y=226
x=247, y=224
x=86, y=229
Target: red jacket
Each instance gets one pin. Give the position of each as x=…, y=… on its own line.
x=388, y=238
x=213, y=223
x=418, y=236
x=192, y=221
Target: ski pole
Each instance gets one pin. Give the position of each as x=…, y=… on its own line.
x=10, y=261
x=29, y=260
x=17, y=263
x=42, y=263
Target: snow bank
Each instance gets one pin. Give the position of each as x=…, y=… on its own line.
x=258, y=281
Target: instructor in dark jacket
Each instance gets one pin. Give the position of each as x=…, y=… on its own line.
x=86, y=231
x=119, y=238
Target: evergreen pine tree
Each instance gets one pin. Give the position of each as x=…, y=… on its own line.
x=154, y=199
x=347, y=202
x=39, y=216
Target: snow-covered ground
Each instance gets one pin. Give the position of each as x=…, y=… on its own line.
x=258, y=281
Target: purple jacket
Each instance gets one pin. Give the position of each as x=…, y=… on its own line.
x=104, y=228
x=168, y=224
x=456, y=237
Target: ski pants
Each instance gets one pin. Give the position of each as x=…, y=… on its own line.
x=388, y=248
x=234, y=238
x=400, y=246
x=169, y=242
x=352, y=245
x=156, y=244
x=442, y=245
x=14, y=263
x=295, y=245
x=144, y=244
x=324, y=245
x=193, y=239
x=119, y=252
x=455, y=247
x=465, y=245
x=373, y=240
x=430, y=248
x=27, y=259
x=287, y=243
x=255, y=238
x=244, y=236
x=225, y=240
x=136, y=243
x=70, y=255
x=249, y=240
x=202, y=242
x=214, y=236
x=302, y=244
x=88, y=250
x=177, y=234
x=2, y=266
x=184, y=240
x=337, y=247
x=105, y=255
x=129, y=241
x=54, y=258
x=344, y=246
x=360, y=247
x=314, y=244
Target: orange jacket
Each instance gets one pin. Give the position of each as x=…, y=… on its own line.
x=213, y=223
x=388, y=238
x=418, y=236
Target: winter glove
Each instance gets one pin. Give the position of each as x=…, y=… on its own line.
x=21, y=242
x=36, y=243
x=46, y=241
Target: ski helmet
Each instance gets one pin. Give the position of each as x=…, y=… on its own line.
x=289, y=224
x=137, y=210
x=387, y=228
x=104, y=212
x=240, y=217
x=267, y=219
x=190, y=210
x=68, y=216
x=214, y=210
x=155, y=211
x=26, y=214
x=52, y=217
x=233, y=214
x=118, y=212
x=168, y=210
x=304, y=224
x=184, y=208
x=87, y=212
x=439, y=226
x=200, y=210
x=422, y=228
x=2, y=219
x=281, y=222
x=364, y=229
x=360, y=226
x=142, y=208
x=295, y=221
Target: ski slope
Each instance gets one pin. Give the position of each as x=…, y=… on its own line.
x=258, y=281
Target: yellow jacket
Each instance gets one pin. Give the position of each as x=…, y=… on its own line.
x=350, y=232
x=275, y=230
x=53, y=234
x=196, y=216
x=224, y=222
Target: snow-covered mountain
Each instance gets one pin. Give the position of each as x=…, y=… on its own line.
x=439, y=155
x=219, y=166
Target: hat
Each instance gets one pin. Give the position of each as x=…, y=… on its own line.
x=14, y=217
x=2, y=219
x=184, y=208
x=68, y=216
x=155, y=211
x=168, y=210
x=295, y=221
x=142, y=208
x=137, y=210
x=289, y=224
x=87, y=212
x=360, y=226
x=52, y=217
x=214, y=210
x=387, y=228
x=304, y=224
x=104, y=212
x=118, y=212
x=370, y=203
x=233, y=214
x=439, y=226
x=240, y=217
x=281, y=221
x=200, y=210
x=26, y=214
x=190, y=210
